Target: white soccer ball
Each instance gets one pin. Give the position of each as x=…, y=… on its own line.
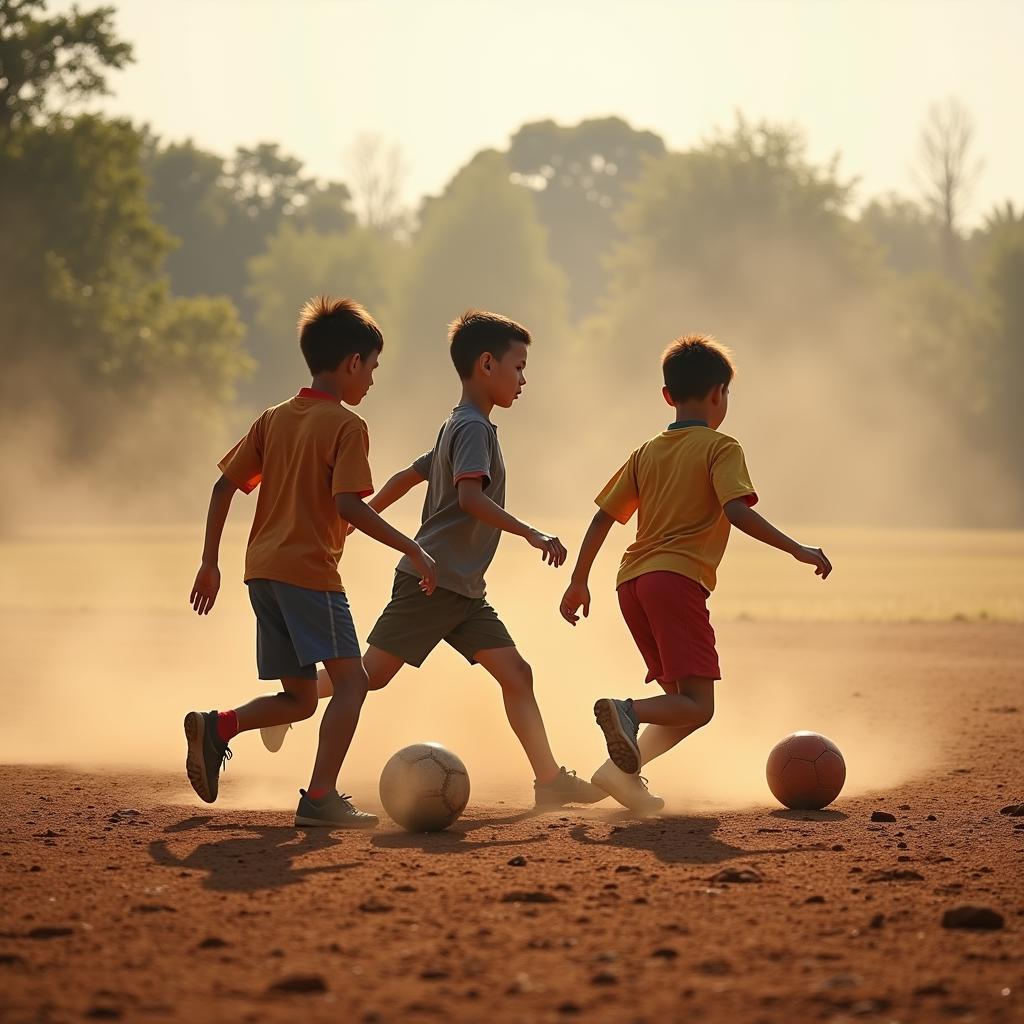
x=424, y=787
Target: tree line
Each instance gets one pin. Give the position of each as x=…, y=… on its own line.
x=149, y=276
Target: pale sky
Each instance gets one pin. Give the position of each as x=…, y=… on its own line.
x=445, y=78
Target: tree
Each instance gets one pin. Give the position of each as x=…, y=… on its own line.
x=949, y=171
x=48, y=62
x=908, y=234
x=377, y=174
x=579, y=177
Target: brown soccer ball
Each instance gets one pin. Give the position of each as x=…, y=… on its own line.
x=805, y=771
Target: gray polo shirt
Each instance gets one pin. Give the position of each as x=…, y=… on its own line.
x=461, y=544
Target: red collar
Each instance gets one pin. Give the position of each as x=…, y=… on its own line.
x=317, y=393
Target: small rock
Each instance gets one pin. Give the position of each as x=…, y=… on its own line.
x=933, y=988
x=569, y=1008
x=838, y=847
x=153, y=908
x=517, y=862
x=212, y=942
x=882, y=816
x=529, y=897
x=374, y=906
x=895, y=875
x=931, y=817
x=49, y=932
x=304, y=984
x=983, y=918
x=815, y=899
x=405, y=888
x=11, y=960
x=877, y=921
x=740, y=874
x=904, y=807
x=666, y=953
x=1014, y=810
x=604, y=978
x=901, y=846
x=624, y=868
x=434, y=974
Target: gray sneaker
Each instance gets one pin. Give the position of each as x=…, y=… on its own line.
x=566, y=788
x=207, y=754
x=333, y=811
x=620, y=728
x=630, y=790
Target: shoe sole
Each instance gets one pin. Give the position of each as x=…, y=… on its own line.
x=273, y=731
x=621, y=748
x=653, y=806
x=195, y=760
x=302, y=822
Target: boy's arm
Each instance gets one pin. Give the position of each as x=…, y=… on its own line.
x=473, y=500
x=397, y=487
x=755, y=525
x=354, y=510
x=578, y=592
x=207, y=584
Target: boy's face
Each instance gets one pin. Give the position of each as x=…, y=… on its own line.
x=357, y=376
x=505, y=376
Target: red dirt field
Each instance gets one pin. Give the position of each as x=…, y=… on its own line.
x=124, y=899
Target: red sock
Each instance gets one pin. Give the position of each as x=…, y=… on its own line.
x=317, y=794
x=227, y=725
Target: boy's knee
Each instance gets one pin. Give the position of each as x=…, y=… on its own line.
x=305, y=704
x=520, y=679
x=705, y=712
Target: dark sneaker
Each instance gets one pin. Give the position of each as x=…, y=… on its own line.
x=333, y=811
x=566, y=788
x=620, y=728
x=630, y=790
x=207, y=753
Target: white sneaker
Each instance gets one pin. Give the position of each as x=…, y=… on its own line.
x=630, y=790
x=273, y=736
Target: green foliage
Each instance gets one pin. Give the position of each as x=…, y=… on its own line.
x=481, y=245
x=579, y=177
x=48, y=62
x=910, y=237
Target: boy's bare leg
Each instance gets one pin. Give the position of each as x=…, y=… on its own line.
x=296, y=702
x=656, y=740
x=338, y=725
x=515, y=677
x=380, y=666
x=688, y=709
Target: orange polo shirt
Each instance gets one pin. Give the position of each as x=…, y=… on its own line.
x=300, y=453
x=679, y=482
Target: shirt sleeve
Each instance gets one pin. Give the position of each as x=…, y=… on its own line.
x=243, y=465
x=423, y=463
x=351, y=474
x=471, y=452
x=621, y=495
x=729, y=475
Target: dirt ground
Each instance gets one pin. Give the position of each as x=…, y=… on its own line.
x=123, y=898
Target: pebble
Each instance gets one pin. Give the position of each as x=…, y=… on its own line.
x=740, y=874
x=517, y=862
x=882, y=816
x=983, y=918
x=306, y=984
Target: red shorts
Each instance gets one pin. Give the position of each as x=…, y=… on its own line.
x=668, y=616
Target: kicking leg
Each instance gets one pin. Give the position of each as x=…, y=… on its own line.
x=553, y=786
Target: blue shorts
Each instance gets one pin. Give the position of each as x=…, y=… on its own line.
x=296, y=628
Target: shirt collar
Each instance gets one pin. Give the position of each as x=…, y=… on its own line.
x=680, y=424
x=324, y=396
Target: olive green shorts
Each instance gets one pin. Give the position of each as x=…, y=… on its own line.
x=413, y=624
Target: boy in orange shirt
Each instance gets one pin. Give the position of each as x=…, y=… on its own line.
x=689, y=484
x=309, y=456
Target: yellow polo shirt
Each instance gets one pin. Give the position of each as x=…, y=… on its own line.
x=678, y=482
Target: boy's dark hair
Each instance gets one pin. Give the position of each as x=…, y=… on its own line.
x=330, y=330
x=694, y=364
x=477, y=332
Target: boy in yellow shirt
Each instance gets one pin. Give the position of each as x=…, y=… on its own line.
x=689, y=485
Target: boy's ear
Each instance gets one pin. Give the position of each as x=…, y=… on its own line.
x=486, y=362
x=717, y=393
x=668, y=398
x=353, y=362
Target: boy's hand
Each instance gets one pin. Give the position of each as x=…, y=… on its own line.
x=205, y=588
x=815, y=557
x=551, y=547
x=426, y=567
x=576, y=594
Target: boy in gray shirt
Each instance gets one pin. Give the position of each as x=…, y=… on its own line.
x=463, y=518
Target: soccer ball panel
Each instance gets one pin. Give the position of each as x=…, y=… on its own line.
x=424, y=787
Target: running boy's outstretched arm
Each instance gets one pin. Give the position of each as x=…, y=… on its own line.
x=473, y=500
x=744, y=518
x=207, y=584
x=397, y=487
x=577, y=594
